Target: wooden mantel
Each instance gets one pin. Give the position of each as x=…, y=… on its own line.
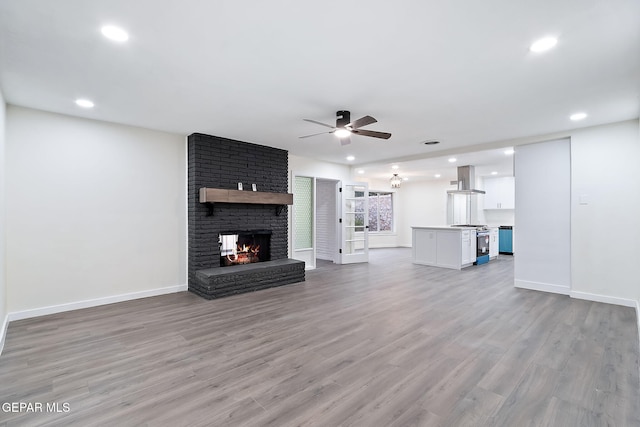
x=220, y=195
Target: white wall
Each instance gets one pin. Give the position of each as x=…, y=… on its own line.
x=497, y=217
x=3, y=269
x=311, y=167
x=543, y=216
x=421, y=204
x=605, y=237
x=94, y=210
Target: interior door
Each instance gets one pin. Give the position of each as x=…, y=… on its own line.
x=355, y=223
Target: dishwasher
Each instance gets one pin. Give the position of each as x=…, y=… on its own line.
x=506, y=239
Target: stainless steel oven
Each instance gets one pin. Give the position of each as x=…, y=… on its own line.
x=482, y=246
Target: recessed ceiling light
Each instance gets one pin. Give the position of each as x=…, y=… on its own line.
x=453, y=160
x=351, y=158
x=360, y=171
x=395, y=167
x=509, y=151
x=342, y=133
x=84, y=103
x=578, y=116
x=114, y=33
x=437, y=175
x=405, y=179
x=543, y=44
x=494, y=173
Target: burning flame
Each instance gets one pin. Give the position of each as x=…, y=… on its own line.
x=243, y=251
x=248, y=249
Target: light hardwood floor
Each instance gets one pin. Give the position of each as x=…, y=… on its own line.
x=387, y=343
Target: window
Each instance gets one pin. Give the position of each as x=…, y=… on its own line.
x=380, y=211
x=359, y=210
x=303, y=212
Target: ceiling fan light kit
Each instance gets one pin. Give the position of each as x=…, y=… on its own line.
x=345, y=127
x=342, y=133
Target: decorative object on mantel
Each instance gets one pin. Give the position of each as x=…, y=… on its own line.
x=220, y=195
x=395, y=181
x=253, y=187
x=240, y=186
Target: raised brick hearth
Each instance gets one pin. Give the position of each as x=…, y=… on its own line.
x=216, y=162
x=220, y=282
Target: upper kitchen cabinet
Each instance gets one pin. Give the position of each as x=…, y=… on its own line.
x=500, y=193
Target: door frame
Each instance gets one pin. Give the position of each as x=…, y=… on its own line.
x=335, y=218
x=309, y=255
x=344, y=257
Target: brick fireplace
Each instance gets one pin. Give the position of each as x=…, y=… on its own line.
x=222, y=163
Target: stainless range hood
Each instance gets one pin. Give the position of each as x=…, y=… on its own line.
x=466, y=181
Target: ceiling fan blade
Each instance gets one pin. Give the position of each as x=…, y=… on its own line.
x=345, y=140
x=372, y=133
x=319, y=123
x=362, y=121
x=314, y=134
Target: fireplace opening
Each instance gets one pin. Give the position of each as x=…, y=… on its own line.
x=244, y=247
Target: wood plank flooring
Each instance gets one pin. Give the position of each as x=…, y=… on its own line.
x=387, y=343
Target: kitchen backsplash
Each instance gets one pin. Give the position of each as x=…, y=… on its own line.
x=497, y=217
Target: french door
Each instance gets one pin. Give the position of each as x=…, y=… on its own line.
x=355, y=222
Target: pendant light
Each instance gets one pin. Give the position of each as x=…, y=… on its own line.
x=395, y=181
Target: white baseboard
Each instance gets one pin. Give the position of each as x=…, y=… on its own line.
x=544, y=287
x=3, y=331
x=43, y=311
x=604, y=298
x=638, y=319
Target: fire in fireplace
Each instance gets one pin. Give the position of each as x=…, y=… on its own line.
x=244, y=247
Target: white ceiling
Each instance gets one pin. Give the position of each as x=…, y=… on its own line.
x=456, y=71
x=487, y=163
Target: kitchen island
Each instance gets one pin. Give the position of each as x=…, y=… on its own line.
x=444, y=246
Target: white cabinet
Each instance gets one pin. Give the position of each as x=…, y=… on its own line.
x=448, y=253
x=468, y=246
x=494, y=242
x=424, y=246
x=500, y=193
x=447, y=247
